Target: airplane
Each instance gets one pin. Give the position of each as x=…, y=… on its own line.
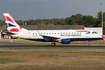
x=61, y=36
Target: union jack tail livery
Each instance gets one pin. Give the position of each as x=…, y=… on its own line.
x=12, y=26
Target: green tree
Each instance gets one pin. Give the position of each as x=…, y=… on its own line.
x=49, y=24
x=41, y=23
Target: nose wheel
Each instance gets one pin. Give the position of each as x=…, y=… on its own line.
x=53, y=44
x=89, y=44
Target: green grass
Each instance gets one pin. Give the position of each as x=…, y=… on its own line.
x=5, y=61
x=52, y=59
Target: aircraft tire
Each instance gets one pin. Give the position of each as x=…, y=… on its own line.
x=53, y=44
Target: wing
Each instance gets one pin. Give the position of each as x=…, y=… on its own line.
x=51, y=38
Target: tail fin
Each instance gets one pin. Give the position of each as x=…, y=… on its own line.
x=12, y=26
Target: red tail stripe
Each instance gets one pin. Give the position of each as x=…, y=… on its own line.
x=20, y=27
x=14, y=29
x=83, y=31
x=9, y=19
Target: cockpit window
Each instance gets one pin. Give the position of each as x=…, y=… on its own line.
x=87, y=32
x=94, y=32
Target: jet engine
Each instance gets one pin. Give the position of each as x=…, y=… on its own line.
x=65, y=41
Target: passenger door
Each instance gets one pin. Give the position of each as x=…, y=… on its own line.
x=29, y=34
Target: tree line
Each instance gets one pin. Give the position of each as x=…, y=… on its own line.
x=77, y=19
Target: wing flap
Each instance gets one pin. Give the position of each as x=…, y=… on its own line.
x=50, y=37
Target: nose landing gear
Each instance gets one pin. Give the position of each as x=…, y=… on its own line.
x=89, y=43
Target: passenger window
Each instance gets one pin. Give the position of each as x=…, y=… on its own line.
x=94, y=32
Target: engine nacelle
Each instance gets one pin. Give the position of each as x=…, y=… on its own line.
x=65, y=41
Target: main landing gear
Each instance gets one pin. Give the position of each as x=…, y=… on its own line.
x=53, y=44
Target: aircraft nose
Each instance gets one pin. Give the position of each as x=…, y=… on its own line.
x=103, y=37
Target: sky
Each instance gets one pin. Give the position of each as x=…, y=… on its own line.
x=48, y=9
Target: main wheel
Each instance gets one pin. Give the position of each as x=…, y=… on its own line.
x=53, y=44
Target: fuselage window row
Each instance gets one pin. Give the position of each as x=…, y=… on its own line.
x=56, y=33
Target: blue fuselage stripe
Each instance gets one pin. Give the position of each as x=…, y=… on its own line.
x=71, y=39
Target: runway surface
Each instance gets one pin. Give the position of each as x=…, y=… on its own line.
x=5, y=45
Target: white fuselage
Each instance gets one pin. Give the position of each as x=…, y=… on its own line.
x=73, y=35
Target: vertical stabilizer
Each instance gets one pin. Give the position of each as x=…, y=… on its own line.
x=11, y=24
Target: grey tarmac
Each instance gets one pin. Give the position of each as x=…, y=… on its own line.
x=6, y=45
